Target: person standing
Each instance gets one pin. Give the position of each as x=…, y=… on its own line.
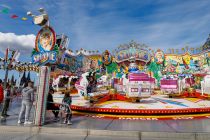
x=51, y=105
x=7, y=96
x=27, y=102
x=66, y=108
x=1, y=94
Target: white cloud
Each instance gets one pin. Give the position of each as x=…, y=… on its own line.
x=23, y=43
x=5, y=6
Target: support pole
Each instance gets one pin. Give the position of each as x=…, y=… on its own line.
x=42, y=93
x=6, y=77
x=6, y=67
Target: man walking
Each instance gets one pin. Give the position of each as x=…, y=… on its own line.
x=27, y=102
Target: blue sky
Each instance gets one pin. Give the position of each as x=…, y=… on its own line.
x=105, y=24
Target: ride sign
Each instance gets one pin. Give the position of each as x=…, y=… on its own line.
x=44, y=57
x=45, y=47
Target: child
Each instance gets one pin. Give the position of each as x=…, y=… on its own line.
x=67, y=100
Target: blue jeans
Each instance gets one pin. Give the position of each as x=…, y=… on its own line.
x=25, y=108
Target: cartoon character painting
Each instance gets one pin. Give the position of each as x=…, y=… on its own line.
x=159, y=57
x=106, y=58
x=45, y=40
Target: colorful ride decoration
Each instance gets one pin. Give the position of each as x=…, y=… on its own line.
x=170, y=85
x=170, y=72
x=136, y=73
x=80, y=62
x=140, y=85
x=186, y=63
x=107, y=65
x=205, y=84
x=159, y=56
x=46, y=50
x=132, y=51
x=63, y=81
x=155, y=71
x=87, y=85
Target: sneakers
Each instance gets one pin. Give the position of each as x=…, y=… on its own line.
x=4, y=116
x=69, y=123
x=19, y=122
x=27, y=122
x=64, y=122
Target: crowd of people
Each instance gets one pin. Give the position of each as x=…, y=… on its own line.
x=27, y=93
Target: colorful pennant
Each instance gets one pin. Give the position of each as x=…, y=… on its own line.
x=5, y=11
x=14, y=16
x=24, y=18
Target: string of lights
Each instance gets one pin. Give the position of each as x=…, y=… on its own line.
x=19, y=66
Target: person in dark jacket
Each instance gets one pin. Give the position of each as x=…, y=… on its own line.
x=7, y=97
x=50, y=105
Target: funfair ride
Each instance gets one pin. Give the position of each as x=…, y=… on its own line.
x=162, y=83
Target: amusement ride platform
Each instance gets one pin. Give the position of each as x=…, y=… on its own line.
x=156, y=107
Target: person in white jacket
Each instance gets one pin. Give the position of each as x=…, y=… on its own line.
x=27, y=102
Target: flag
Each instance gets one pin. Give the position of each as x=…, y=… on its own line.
x=16, y=55
x=14, y=16
x=24, y=18
x=5, y=11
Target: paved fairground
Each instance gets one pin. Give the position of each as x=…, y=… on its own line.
x=91, y=127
